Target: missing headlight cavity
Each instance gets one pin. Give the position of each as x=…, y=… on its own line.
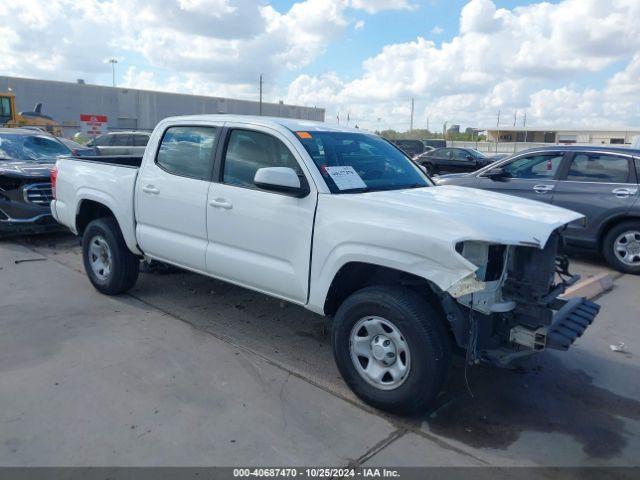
x=487, y=257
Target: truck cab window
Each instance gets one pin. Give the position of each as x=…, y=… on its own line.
x=187, y=151
x=247, y=151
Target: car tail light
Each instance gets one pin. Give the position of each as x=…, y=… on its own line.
x=54, y=179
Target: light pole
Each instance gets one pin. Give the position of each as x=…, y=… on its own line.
x=113, y=62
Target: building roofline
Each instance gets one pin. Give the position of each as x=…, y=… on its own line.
x=563, y=129
x=208, y=97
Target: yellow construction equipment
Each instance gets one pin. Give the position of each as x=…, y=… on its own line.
x=9, y=117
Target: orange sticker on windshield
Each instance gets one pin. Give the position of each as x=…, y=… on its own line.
x=304, y=134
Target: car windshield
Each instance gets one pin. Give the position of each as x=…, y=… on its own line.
x=20, y=147
x=360, y=162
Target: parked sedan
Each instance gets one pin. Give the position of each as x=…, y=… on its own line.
x=26, y=159
x=121, y=143
x=453, y=159
x=599, y=182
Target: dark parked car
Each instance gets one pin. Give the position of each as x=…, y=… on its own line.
x=453, y=160
x=410, y=147
x=77, y=149
x=600, y=182
x=26, y=159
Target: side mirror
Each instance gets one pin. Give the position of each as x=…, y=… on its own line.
x=281, y=179
x=497, y=173
x=471, y=157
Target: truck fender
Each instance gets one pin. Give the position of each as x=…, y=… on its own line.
x=125, y=218
x=322, y=275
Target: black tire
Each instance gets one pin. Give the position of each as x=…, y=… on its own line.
x=124, y=264
x=608, y=247
x=422, y=328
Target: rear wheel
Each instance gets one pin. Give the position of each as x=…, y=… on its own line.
x=621, y=247
x=110, y=265
x=391, y=348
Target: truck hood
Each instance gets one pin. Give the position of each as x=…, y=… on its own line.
x=472, y=214
x=26, y=168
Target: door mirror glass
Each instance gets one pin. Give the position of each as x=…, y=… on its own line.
x=280, y=179
x=497, y=173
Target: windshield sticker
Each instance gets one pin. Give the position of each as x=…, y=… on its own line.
x=345, y=178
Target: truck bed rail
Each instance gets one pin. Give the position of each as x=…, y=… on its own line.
x=133, y=161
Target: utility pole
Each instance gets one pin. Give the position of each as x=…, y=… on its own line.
x=515, y=117
x=498, y=126
x=524, y=125
x=113, y=62
x=411, y=124
x=427, y=123
x=260, y=111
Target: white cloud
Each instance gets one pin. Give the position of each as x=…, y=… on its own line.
x=374, y=6
x=504, y=59
x=359, y=25
x=437, y=30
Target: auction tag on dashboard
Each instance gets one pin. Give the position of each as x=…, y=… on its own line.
x=345, y=177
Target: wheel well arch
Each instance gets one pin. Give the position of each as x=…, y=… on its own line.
x=90, y=210
x=611, y=223
x=353, y=276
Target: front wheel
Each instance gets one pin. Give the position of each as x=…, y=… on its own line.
x=391, y=348
x=110, y=265
x=621, y=247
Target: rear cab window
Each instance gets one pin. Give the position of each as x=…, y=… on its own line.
x=187, y=151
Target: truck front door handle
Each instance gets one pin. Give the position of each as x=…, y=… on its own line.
x=624, y=192
x=220, y=203
x=543, y=188
x=150, y=189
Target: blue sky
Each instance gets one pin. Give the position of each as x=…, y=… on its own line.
x=566, y=62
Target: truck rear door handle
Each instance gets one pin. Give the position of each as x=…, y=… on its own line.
x=150, y=189
x=624, y=192
x=220, y=203
x=543, y=188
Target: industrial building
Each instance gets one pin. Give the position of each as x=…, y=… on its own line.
x=94, y=108
x=623, y=136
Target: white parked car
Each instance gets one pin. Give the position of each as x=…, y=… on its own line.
x=341, y=222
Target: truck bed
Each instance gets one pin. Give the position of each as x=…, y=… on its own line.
x=109, y=181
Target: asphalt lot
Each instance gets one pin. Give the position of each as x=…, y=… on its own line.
x=191, y=371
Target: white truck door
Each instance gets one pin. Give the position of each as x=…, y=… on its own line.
x=171, y=195
x=257, y=238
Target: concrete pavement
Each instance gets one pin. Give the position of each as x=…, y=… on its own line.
x=223, y=343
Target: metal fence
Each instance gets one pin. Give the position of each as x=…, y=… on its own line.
x=493, y=147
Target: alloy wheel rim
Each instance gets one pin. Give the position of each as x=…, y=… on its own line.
x=627, y=248
x=379, y=352
x=100, y=257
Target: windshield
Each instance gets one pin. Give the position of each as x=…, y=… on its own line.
x=357, y=162
x=22, y=147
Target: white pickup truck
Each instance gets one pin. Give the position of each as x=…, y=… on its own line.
x=342, y=222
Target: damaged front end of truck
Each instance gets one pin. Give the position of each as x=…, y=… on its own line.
x=512, y=306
